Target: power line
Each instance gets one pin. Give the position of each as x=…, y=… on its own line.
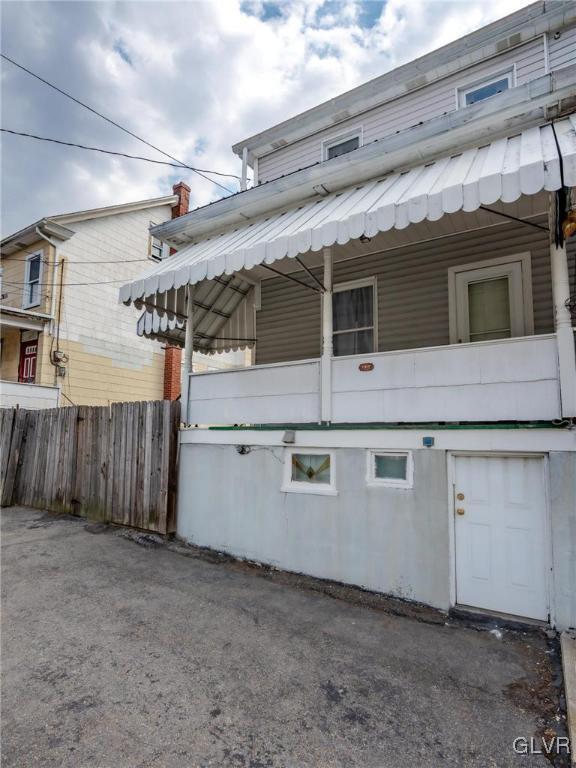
x=44, y=285
x=114, y=123
x=107, y=151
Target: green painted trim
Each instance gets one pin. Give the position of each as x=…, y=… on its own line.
x=377, y=425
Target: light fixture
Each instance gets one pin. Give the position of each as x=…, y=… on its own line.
x=365, y=239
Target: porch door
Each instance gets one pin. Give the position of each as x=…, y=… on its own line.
x=27, y=366
x=500, y=535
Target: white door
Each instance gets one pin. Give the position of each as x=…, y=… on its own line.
x=500, y=534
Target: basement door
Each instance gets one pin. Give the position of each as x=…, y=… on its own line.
x=500, y=534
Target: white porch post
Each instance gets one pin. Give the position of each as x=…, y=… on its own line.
x=188, y=350
x=562, y=321
x=327, y=342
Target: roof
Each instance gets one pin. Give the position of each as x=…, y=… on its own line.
x=538, y=158
x=513, y=30
x=53, y=226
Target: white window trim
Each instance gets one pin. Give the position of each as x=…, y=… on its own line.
x=362, y=283
x=485, y=269
x=25, y=303
x=165, y=247
x=296, y=486
x=463, y=90
x=381, y=482
x=340, y=138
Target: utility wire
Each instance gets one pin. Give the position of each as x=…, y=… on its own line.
x=110, y=152
x=113, y=122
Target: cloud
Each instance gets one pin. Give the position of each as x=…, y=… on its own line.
x=191, y=77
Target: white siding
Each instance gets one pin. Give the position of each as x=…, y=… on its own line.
x=32, y=396
x=406, y=111
x=562, y=50
x=412, y=293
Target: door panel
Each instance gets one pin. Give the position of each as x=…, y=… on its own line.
x=500, y=534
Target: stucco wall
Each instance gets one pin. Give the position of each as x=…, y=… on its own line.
x=388, y=540
x=563, y=521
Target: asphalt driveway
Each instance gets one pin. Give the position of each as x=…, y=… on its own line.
x=118, y=655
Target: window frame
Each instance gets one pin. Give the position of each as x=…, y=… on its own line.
x=297, y=486
x=165, y=246
x=463, y=90
x=363, y=282
x=383, y=482
x=340, y=138
x=26, y=303
x=521, y=308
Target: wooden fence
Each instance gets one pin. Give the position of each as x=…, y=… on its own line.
x=115, y=464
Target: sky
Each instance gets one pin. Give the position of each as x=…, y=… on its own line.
x=192, y=78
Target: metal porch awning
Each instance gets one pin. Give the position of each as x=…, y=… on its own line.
x=537, y=159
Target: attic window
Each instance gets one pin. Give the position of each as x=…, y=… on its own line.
x=341, y=145
x=485, y=89
x=157, y=250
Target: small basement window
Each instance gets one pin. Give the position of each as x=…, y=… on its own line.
x=309, y=471
x=341, y=145
x=390, y=468
x=485, y=89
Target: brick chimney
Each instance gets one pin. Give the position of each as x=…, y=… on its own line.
x=183, y=191
x=172, y=372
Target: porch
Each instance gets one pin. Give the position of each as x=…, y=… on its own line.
x=441, y=294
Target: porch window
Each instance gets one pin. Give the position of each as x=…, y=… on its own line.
x=390, y=468
x=309, y=471
x=491, y=300
x=32, y=280
x=353, y=317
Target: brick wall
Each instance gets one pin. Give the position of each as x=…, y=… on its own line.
x=172, y=372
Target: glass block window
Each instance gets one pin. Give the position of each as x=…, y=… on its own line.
x=392, y=468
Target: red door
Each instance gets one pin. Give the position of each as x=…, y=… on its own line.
x=27, y=367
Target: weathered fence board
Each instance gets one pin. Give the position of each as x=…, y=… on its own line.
x=114, y=464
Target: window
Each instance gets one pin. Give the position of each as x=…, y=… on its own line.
x=157, y=249
x=31, y=296
x=341, y=145
x=309, y=470
x=491, y=299
x=485, y=89
x=353, y=318
x=394, y=469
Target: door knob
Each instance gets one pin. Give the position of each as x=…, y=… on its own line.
x=460, y=511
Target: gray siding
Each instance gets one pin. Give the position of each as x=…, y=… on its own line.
x=412, y=285
x=562, y=51
x=411, y=109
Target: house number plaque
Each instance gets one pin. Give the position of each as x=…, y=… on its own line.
x=366, y=367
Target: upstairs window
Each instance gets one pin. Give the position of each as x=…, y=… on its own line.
x=485, y=89
x=353, y=317
x=341, y=145
x=157, y=250
x=32, y=280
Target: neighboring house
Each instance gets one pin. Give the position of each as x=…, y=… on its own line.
x=64, y=339
x=401, y=271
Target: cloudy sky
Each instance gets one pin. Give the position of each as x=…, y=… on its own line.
x=190, y=77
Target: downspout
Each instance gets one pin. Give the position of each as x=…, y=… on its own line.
x=54, y=326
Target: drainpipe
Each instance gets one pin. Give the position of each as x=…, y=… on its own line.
x=54, y=270
x=188, y=351
x=562, y=317
x=327, y=341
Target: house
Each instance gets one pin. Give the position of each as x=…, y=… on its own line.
x=402, y=270
x=64, y=338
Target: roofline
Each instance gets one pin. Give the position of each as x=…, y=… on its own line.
x=53, y=223
x=515, y=29
x=533, y=103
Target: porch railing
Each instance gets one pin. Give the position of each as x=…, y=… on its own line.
x=509, y=379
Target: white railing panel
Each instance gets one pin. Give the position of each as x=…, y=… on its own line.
x=15, y=394
x=268, y=394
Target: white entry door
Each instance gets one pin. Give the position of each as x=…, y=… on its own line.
x=500, y=535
